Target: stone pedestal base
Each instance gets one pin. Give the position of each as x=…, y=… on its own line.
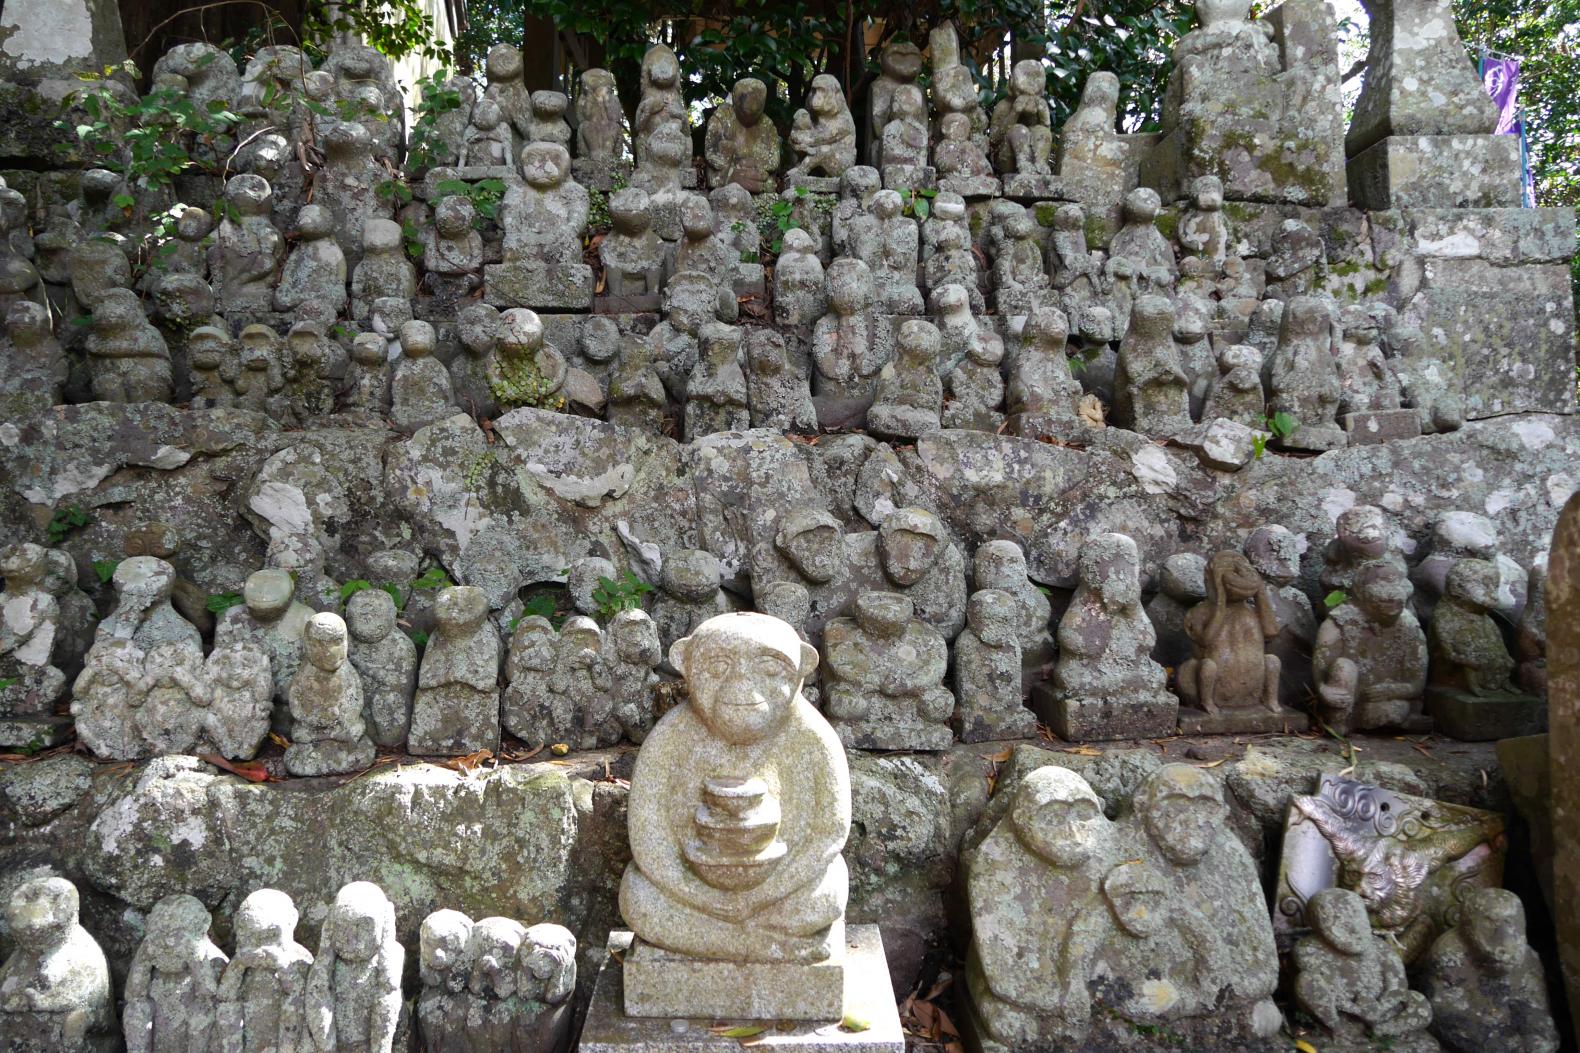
x=1048, y=426
x=33, y=733
x=813, y=184
x=1315, y=439
x=994, y=726
x=329, y=757
x=1436, y=171
x=886, y=735
x=1243, y=722
x=665, y=984
x=909, y=177
x=1485, y=718
x=867, y=996
x=1375, y=426
x=968, y=188
x=530, y=283
x=1100, y=719
x=900, y=422
x=1031, y=187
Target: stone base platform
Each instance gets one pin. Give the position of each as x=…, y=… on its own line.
x=868, y=997
x=1103, y=719
x=1485, y=718
x=1243, y=721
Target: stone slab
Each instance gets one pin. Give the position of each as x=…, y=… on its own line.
x=1374, y=426
x=567, y=288
x=27, y=733
x=873, y=736
x=1029, y=187
x=1472, y=718
x=1101, y=719
x=1437, y=171
x=661, y=983
x=1243, y=722
x=868, y=997
x=814, y=184
x=977, y=186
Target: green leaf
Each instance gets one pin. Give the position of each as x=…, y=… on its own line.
x=352, y=587
x=1334, y=598
x=418, y=637
x=8, y=681
x=741, y=1031
x=433, y=578
x=105, y=569
x=539, y=606
x=220, y=602
x=396, y=595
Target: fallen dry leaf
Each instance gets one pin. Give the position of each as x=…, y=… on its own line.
x=279, y=740
x=1083, y=751
x=469, y=763
x=252, y=771
x=1213, y=764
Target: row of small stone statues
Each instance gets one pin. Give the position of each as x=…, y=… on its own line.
x=1158, y=919
x=489, y=986
x=884, y=606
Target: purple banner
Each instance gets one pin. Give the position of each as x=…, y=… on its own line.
x=1502, y=78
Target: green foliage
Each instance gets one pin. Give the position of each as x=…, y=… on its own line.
x=516, y=380
x=541, y=606
x=352, y=587
x=418, y=637
x=395, y=27
x=432, y=578
x=149, y=141
x=623, y=594
x=64, y=521
x=424, y=148
x=104, y=569
x=917, y=203
x=1334, y=598
x=476, y=471
x=485, y=195
x=781, y=218
x=7, y=682
x=220, y=602
x=1258, y=445
x=1282, y=424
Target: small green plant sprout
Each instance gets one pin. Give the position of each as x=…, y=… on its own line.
x=418, y=637
x=352, y=587
x=917, y=203
x=8, y=682
x=1334, y=598
x=1282, y=424
x=105, y=569
x=64, y=521
x=432, y=578
x=485, y=196
x=781, y=216
x=614, y=595
x=1258, y=445
x=220, y=602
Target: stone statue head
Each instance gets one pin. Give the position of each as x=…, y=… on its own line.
x=691, y=574
x=1184, y=577
x=1273, y=550
x=951, y=302
x=749, y=97
x=580, y=634
x=696, y=218
x=994, y=616
x=381, y=235
x=690, y=301
x=23, y=566
x=545, y=166
x=1338, y=917
x=630, y=211
x=1242, y=358
x=597, y=80
x=885, y=614
x=1217, y=12
x=492, y=949
x=418, y=339
x=826, y=98
x=1183, y=810
x=268, y=593
x=811, y=538
x=799, y=242
x=901, y=61
x=910, y=543
x=442, y=943
x=520, y=331
x=1026, y=77
x=1362, y=529
x=660, y=68
x=850, y=289
x=177, y=925
x=503, y=64
x=635, y=638
x=27, y=323
x=532, y=644
x=1111, y=566
x=548, y=963
x=944, y=47
x=1207, y=193
x=1142, y=205
x=1058, y=817
x=324, y=642
x=1152, y=318
x=146, y=579
x=1138, y=897
x=954, y=127
x=1231, y=578
x=194, y=224
x=42, y=913
x=909, y=104
x=743, y=671
x=765, y=351
x=360, y=923
x=1493, y=927
x=486, y=115
x=918, y=341
x=788, y=601
x=1465, y=533
x=886, y=204
x=266, y=918
x=999, y=564
x=207, y=346
x=461, y=608
x=370, y=615
x=369, y=349
x=549, y=105
x=1100, y=98
x=478, y=325
x=315, y=222
x=1048, y=330
x=1473, y=583
x=859, y=183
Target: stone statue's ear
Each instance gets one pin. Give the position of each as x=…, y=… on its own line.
x=677, y=654
x=808, y=660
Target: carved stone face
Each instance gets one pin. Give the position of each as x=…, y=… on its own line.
x=549, y=105
x=696, y=218
x=1493, y=926
x=1207, y=193
x=628, y=211
x=1027, y=78
x=918, y=341
x=1339, y=917
x=901, y=62
x=994, y=616
x=858, y=183
x=1109, y=564
x=1183, y=810
x=369, y=349
x=504, y=64
x=749, y=97
x=849, y=286
x=636, y=638
x=886, y=204
x=417, y=339
x=460, y=607
x=267, y=918
x=1142, y=205
x=1137, y=896
x=479, y=327
x=909, y=543
x=1057, y=816
x=1216, y=12
x=486, y=115
x=545, y=166
x=358, y=931
x=825, y=99
x=884, y=614
x=1474, y=583
x=370, y=615
x=812, y=544
x=955, y=127
x=268, y=594
x=1381, y=592
x=23, y=566
x=41, y=913
x=493, y=948
x=175, y=926
x=442, y=944
x=661, y=68
x=743, y=672
x=324, y=641
x=144, y=579
x=1273, y=550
